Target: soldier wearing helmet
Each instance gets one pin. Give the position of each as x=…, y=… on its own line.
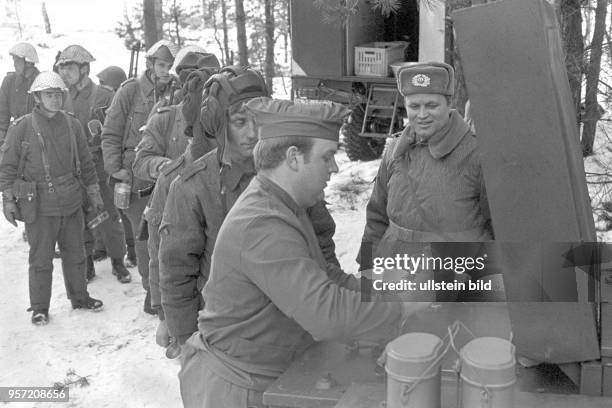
x=112, y=76
x=45, y=191
x=121, y=134
x=14, y=98
x=88, y=102
x=200, y=199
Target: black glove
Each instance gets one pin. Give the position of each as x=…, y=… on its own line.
x=9, y=207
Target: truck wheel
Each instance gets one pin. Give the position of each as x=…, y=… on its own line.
x=358, y=147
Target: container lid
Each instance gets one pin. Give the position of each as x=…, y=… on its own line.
x=411, y=354
x=488, y=360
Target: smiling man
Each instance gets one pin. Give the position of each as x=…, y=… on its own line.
x=429, y=186
x=270, y=292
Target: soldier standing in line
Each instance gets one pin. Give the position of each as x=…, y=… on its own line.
x=197, y=146
x=88, y=102
x=201, y=197
x=114, y=76
x=121, y=134
x=45, y=165
x=15, y=101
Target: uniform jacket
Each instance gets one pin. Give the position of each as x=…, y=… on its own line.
x=67, y=195
x=121, y=131
x=154, y=214
x=434, y=192
x=194, y=211
x=270, y=294
x=163, y=140
x=14, y=98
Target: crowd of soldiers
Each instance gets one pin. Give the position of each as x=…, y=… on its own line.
x=232, y=237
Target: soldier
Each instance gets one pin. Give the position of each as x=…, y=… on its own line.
x=114, y=76
x=88, y=102
x=200, y=198
x=45, y=166
x=270, y=291
x=15, y=101
x=164, y=137
x=121, y=134
x=197, y=146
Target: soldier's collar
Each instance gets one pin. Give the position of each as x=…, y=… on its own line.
x=233, y=173
x=273, y=188
x=441, y=144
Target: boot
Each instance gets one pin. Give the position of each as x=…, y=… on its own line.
x=120, y=271
x=91, y=271
x=130, y=257
x=147, y=304
x=39, y=317
x=174, y=349
x=99, y=255
x=89, y=303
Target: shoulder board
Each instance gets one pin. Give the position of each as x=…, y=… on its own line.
x=72, y=114
x=107, y=88
x=164, y=109
x=193, y=168
x=174, y=164
x=127, y=81
x=19, y=119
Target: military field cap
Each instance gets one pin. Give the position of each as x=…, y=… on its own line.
x=426, y=77
x=281, y=118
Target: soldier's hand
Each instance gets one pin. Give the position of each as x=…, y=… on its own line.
x=9, y=208
x=162, y=336
x=95, y=199
x=122, y=175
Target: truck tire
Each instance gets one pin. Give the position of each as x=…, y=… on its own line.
x=358, y=147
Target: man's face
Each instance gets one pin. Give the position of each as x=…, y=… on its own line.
x=316, y=169
x=70, y=73
x=19, y=64
x=427, y=113
x=241, y=134
x=161, y=69
x=51, y=100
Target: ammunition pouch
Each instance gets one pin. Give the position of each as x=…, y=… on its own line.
x=26, y=199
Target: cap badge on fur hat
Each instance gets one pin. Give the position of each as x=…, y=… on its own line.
x=421, y=80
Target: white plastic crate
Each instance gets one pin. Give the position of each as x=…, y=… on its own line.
x=374, y=59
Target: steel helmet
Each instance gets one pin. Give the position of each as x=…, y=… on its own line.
x=163, y=49
x=47, y=80
x=112, y=76
x=76, y=54
x=26, y=51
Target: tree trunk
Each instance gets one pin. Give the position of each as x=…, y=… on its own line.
x=229, y=60
x=241, y=38
x=150, y=24
x=159, y=19
x=592, y=113
x=212, y=13
x=46, y=18
x=573, y=44
x=177, y=26
x=269, y=64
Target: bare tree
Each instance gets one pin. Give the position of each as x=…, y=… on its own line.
x=229, y=59
x=269, y=28
x=46, y=18
x=570, y=18
x=243, y=52
x=151, y=34
x=592, y=113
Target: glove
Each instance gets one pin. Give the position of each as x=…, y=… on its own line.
x=162, y=336
x=95, y=199
x=9, y=207
x=122, y=175
x=159, y=168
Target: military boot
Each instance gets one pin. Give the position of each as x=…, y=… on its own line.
x=91, y=270
x=89, y=303
x=147, y=304
x=130, y=257
x=120, y=271
x=39, y=317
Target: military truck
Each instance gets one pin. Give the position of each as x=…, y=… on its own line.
x=349, y=61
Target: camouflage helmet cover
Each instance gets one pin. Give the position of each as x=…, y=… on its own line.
x=47, y=80
x=163, y=49
x=76, y=54
x=26, y=51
